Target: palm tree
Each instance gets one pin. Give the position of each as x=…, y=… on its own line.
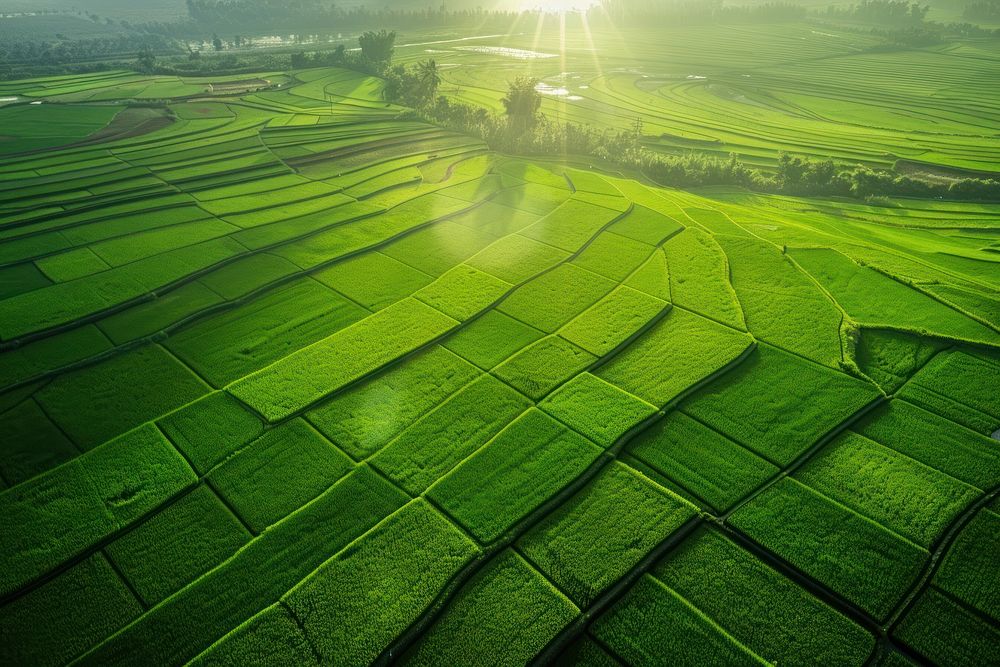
x=430, y=77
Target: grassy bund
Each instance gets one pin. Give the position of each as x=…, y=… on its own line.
x=287, y=379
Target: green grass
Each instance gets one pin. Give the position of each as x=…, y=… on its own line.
x=699, y=278
x=119, y=394
x=302, y=378
x=491, y=339
x=463, y=292
x=350, y=622
x=601, y=411
x=383, y=388
x=653, y=624
x=856, y=557
x=373, y=280
x=279, y=472
x=542, y=366
x=449, y=434
x=63, y=617
x=969, y=570
x=603, y=531
x=60, y=514
x=208, y=430
x=878, y=300
x=612, y=320
x=177, y=545
x=904, y=495
x=781, y=304
x=34, y=443
x=554, y=298
x=363, y=419
x=956, y=385
x=506, y=615
x=293, y=316
x=255, y=577
x=753, y=405
x=935, y=442
x=758, y=606
x=946, y=633
x=673, y=356
x=521, y=468
x=704, y=462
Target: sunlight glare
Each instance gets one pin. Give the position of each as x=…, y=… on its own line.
x=556, y=6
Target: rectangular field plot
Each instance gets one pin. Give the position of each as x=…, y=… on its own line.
x=773, y=616
x=646, y=225
x=412, y=555
x=507, y=610
x=256, y=576
x=64, y=617
x=556, y=297
x=571, y=225
x=652, y=623
x=601, y=411
x=707, y=464
x=521, y=468
x=970, y=571
x=516, y=258
x=463, y=292
x=778, y=405
x=373, y=280
x=543, y=366
x=603, y=531
x=119, y=394
x=278, y=473
x=677, y=353
x=935, y=442
x=946, y=633
x=65, y=511
x=177, y=545
x=33, y=444
x=363, y=419
x=491, y=338
x=268, y=328
x=856, y=557
x=449, y=434
x=904, y=495
x=613, y=320
x=305, y=376
x=959, y=387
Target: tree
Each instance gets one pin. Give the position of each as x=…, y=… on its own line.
x=145, y=62
x=216, y=42
x=430, y=78
x=522, y=103
x=377, y=47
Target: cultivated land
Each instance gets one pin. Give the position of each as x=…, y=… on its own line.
x=289, y=379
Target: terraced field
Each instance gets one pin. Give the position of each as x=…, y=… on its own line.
x=289, y=380
x=754, y=90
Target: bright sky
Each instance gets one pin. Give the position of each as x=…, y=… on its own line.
x=555, y=6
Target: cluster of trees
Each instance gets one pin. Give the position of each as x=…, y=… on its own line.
x=277, y=16
x=897, y=12
x=983, y=10
x=522, y=129
x=623, y=12
x=57, y=52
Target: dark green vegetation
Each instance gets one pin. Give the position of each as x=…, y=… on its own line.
x=291, y=376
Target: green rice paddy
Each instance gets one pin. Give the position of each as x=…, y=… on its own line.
x=292, y=379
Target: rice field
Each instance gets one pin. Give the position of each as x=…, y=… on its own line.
x=290, y=379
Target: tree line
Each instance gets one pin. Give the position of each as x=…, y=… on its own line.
x=522, y=129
